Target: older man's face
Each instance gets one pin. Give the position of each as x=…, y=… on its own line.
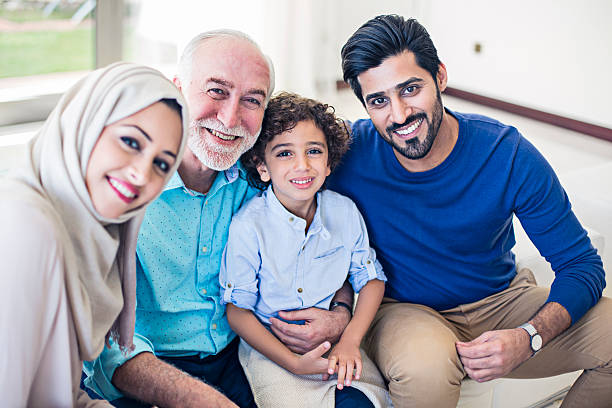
x=226, y=94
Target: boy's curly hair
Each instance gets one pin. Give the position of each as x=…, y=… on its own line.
x=283, y=113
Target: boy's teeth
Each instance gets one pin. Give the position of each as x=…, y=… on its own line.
x=222, y=135
x=122, y=189
x=301, y=181
x=410, y=129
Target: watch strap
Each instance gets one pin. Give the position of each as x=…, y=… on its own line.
x=333, y=305
x=528, y=327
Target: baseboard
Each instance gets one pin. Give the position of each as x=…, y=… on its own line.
x=590, y=129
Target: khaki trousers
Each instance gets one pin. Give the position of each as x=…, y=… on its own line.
x=414, y=346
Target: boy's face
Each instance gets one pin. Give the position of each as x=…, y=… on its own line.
x=296, y=162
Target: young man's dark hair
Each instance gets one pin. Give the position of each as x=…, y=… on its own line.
x=383, y=37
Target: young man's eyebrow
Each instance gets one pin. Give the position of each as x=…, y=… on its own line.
x=407, y=82
x=374, y=95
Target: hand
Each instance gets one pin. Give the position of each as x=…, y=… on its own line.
x=312, y=362
x=320, y=325
x=348, y=357
x=494, y=354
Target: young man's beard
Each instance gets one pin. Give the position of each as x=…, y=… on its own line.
x=414, y=149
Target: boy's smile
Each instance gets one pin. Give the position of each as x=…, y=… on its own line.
x=296, y=161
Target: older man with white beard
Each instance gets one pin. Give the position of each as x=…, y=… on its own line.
x=185, y=350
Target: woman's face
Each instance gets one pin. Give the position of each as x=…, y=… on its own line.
x=130, y=162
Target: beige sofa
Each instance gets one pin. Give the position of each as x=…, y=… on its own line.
x=512, y=393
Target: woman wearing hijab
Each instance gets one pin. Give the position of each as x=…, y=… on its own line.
x=68, y=227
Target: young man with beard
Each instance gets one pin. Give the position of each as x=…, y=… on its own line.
x=438, y=190
x=184, y=347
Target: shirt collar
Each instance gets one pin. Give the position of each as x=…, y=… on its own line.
x=232, y=174
x=295, y=221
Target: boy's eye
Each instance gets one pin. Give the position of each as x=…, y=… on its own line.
x=283, y=154
x=315, y=151
x=162, y=165
x=131, y=142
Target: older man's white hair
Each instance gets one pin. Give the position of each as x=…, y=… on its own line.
x=186, y=61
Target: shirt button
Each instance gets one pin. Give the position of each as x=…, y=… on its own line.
x=369, y=262
x=204, y=291
x=214, y=326
x=290, y=219
x=204, y=249
x=229, y=285
x=300, y=290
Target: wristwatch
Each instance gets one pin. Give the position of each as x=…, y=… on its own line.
x=535, y=339
x=333, y=305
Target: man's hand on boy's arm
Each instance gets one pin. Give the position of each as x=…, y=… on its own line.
x=250, y=329
x=320, y=325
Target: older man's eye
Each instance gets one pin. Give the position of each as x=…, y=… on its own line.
x=216, y=92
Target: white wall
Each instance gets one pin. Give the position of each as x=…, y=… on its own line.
x=551, y=55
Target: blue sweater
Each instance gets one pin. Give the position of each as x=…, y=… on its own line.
x=444, y=236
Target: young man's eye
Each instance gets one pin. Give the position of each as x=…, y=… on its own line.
x=377, y=101
x=162, y=165
x=410, y=90
x=131, y=142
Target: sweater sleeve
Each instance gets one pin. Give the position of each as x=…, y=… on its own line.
x=545, y=212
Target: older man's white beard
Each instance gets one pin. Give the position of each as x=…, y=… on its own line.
x=214, y=155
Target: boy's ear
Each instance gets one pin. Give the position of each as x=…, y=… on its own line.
x=264, y=175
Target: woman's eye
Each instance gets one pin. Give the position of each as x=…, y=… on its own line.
x=162, y=165
x=131, y=142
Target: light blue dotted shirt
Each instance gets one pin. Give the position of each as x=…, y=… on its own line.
x=180, y=246
x=271, y=264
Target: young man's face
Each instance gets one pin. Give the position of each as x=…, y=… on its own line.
x=226, y=95
x=404, y=103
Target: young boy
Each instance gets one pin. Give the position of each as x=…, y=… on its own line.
x=292, y=248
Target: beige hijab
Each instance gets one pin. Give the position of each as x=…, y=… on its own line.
x=99, y=253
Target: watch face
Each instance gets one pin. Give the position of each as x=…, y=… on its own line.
x=536, y=342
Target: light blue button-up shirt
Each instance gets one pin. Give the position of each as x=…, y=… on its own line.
x=180, y=246
x=271, y=264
